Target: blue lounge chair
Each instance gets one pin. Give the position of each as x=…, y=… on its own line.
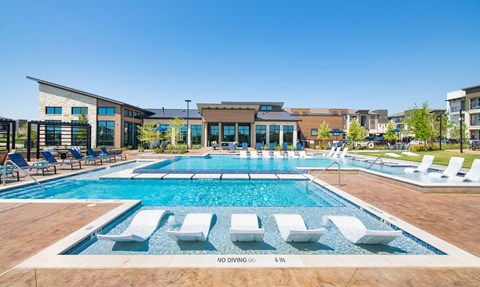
x=258, y=146
x=18, y=160
x=88, y=159
x=230, y=146
x=299, y=146
x=271, y=146
x=6, y=171
x=105, y=152
x=284, y=146
x=52, y=161
x=102, y=157
x=245, y=146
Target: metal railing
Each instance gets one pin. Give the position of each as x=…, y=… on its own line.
x=21, y=169
x=381, y=163
x=323, y=170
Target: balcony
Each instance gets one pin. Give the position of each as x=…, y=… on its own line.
x=456, y=109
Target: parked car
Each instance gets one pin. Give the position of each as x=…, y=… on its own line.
x=379, y=141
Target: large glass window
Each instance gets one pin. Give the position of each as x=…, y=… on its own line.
x=53, y=110
x=261, y=134
x=137, y=115
x=314, y=132
x=128, y=134
x=136, y=133
x=212, y=133
x=228, y=133
x=128, y=113
x=53, y=135
x=106, y=133
x=79, y=135
x=106, y=111
x=79, y=110
x=196, y=131
x=275, y=134
x=183, y=135
x=244, y=134
x=288, y=134
x=266, y=108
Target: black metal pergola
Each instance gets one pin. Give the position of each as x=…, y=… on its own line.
x=57, y=134
x=8, y=127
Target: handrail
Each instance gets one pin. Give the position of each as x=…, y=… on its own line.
x=381, y=163
x=24, y=171
x=323, y=170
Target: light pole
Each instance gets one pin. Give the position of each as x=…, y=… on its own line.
x=188, y=117
x=461, y=131
x=441, y=113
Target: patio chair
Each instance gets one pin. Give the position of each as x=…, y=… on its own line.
x=299, y=146
x=245, y=146
x=284, y=146
x=427, y=161
x=19, y=161
x=87, y=159
x=106, y=152
x=473, y=174
x=215, y=145
x=230, y=146
x=454, y=166
x=102, y=157
x=265, y=154
x=196, y=227
x=330, y=153
x=8, y=171
x=293, y=229
x=271, y=146
x=52, y=161
x=356, y=232
x=143, y=225
x=244, y=227
x=337, y=151
x=344, y=152
x=258, y=146
x=3, y=156
x=303, y=154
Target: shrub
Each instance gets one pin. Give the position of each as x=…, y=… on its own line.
x=141, y=148
x=196, y=146
x=170, y=147
x=158, y=150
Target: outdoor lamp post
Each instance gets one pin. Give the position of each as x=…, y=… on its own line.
x=461, y=130
x=441, y=131
x=188, y=116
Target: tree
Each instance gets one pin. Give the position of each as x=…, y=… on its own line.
x=454, y=131
x=446, y=125
x=176, y=130
x=147, y=133
x=356, y=132
x=323, y=132
x=390, y=136
x=420, y=123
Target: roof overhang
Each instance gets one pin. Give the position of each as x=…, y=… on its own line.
x=203, y=106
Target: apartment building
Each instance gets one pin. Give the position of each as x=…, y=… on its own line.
x=467, y=101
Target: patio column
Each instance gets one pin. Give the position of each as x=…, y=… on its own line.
x=295, y=132
x=267, y=130
x=220, y=134
x=253, y=135
x=280, y=140
x=205, y=134
x=236, y=132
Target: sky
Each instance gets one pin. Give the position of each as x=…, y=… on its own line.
x=369, y=54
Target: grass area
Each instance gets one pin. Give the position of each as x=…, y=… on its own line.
x=441, y=157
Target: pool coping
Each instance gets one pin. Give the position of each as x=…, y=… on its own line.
x=51, y=256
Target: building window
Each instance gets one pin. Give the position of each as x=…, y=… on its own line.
x=275, y=134
x=212, y=133
x=79, y=111
x=79, y=135
x=314, y=132
x=128, y=134
x=128, y=113
x=266, y=108
x=344, y=117
x=344, y=126
x=183, y=135
x=53, y=110
x=196, y=135
x=53, y=134
x=228, y=133
x=106, y=133
x=244, y=134
x=106, y=111
x=137, y=115
x=261, y=134
x=288, y=134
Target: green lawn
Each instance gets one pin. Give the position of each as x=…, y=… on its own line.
x=441, y=157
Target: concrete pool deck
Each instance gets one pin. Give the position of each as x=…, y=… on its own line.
x=450, y=217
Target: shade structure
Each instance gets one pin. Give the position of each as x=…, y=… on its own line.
x=337, y=131
x=394, y=131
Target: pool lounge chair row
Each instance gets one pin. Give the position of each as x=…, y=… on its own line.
x=276, y=154
x=335, y=152
x=245, y=228
x=453, y=168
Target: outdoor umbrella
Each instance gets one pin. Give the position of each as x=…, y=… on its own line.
x=336, y=132
x=396, y=131
x=162, y=129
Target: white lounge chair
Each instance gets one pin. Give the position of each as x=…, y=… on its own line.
x=354, y=230
x=292, y=229
x=329, y=154
x=473, y=174
x=265, y=154
x=344, y=153
x=254, y=154
x=244, y=227
x=277, y=154
x=291, y=154
x=337, y=151
x=143, y=224
x=409, y=153
x=196, y=227
x=454, y=166
x=391, y=154
x=427, y=161
x=243, y=154
x=303, y=154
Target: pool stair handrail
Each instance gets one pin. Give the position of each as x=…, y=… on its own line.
x=323, y=170
x=381, y=163
x=244, y=228
x=22, y=170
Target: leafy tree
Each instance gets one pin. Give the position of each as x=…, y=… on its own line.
x=356, y=132
x=420, y=123
x=147, y=133
x=323, y=132
x=454, y=131
x=175, y=132
x=390, y=136
x=446, y=125
x=83, y=119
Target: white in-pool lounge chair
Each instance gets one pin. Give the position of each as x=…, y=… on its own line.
x=354, y=230
x=472, y=175
x=265, y=154
x=344, y=153
x=243, y=154
x=244, y=227
x=196, y=227
x=427, y=161
x=143, y=224
x=391, y=154
x=303, y=154
x=292, y=229
x=277, y=154
x=254, y=154
x=337, y=151
x=330, y=153
x=291, y=154
x=454, y=166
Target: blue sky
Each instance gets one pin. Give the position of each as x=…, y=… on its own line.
x=352, y=54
